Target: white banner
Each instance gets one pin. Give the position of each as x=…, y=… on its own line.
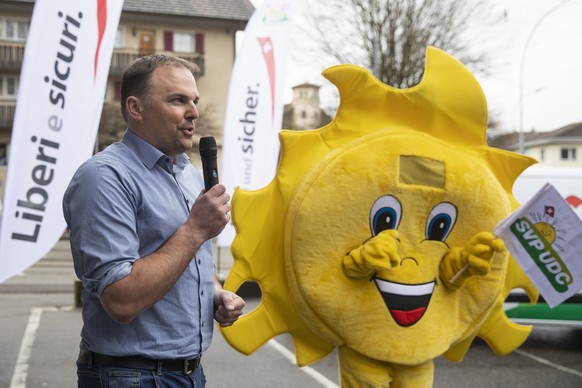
x=254, y=109
x=545, y=237
x=60, y=98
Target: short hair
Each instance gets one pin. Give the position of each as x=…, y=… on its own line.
x=135, y=80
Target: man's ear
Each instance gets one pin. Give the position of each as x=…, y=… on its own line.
x=134, y=107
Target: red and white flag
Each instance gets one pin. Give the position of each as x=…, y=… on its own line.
x=254, y=110
x=60, y=98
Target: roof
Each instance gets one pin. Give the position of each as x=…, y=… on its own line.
x=510, y=141
x=216, y=9
x=237, y=10
x=306, y=85
x=572, y=130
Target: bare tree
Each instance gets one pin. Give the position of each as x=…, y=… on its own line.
x=206, y=123
x=111, y=126
x=389, y=37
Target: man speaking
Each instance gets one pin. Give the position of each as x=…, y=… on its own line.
x=140, y=229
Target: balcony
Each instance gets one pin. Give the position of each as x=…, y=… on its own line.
x=7, y=114
x=122, y=57
x=12, y=53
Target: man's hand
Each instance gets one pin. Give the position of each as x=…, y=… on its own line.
x=228, y=306
x=210, y=213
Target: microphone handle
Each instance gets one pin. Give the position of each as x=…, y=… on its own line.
x=210, y=172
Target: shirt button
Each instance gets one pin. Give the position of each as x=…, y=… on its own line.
x=202, y=292
x=199, y=261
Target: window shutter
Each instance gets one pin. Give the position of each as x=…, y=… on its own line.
x=199, y=38
x=168, y=40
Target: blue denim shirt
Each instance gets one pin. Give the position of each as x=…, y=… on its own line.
x=123, y=204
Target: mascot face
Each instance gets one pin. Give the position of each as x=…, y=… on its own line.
x=409, y=168
x=435, y=196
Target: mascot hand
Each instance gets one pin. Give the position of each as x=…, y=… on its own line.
x=474, y=259
x=377, y=254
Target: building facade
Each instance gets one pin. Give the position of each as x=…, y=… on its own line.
x=304, y=111
x=559, y=148
x=200, y=31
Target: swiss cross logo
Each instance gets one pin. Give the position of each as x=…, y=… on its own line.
x=549, y=211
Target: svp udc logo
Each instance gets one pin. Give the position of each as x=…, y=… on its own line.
x=538, y=238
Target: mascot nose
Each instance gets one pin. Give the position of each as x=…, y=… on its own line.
x=408, y=261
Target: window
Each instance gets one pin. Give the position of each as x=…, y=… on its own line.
x=8, y=87
x=3, y=154
x=568, y=153
x=183, y=42
x=118, y=42
x=13, y=29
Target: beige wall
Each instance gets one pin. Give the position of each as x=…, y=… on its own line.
x=2, y=183
x=219, y=46
x=213, y=87
x=306, y=109
x=218, y=59
x=552, y=155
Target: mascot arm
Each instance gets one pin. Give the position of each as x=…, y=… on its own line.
x=376, y=254
x=474, y=259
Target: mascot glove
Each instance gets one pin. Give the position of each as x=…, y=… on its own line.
x=379, y=253
x=474, y=259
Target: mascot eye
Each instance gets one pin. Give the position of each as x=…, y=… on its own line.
x=385, y=214
x=440, y=221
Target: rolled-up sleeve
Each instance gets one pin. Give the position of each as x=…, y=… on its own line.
x=100, y=209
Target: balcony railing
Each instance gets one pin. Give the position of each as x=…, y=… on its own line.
x=7, y=113
x=122, y=57
x=12, y=53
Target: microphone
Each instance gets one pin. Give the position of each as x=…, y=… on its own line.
x=208, y=151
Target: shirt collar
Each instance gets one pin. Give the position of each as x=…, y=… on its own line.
x=180, y=162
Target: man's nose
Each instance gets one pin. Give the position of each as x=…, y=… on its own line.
x=192, y=112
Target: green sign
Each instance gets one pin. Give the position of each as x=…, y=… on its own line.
x=542, y=253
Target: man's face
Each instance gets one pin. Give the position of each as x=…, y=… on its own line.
x=170, y=117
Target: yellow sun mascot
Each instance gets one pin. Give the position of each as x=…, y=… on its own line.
x=375, y=236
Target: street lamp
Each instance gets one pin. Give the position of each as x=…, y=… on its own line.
x=521, y=76
x=516, y=106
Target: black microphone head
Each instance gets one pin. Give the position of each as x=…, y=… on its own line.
x=207, y=146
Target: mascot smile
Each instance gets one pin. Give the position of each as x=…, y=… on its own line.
x=406, y=303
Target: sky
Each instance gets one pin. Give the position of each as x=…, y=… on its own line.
x=549, y=66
